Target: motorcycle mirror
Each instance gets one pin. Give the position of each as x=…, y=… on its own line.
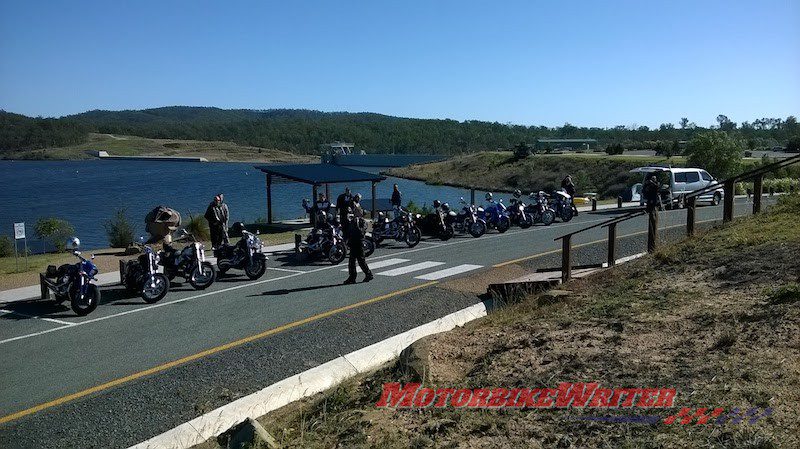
x=258, y=231
x=76, y=252
x=92, y=256
x=141, y=239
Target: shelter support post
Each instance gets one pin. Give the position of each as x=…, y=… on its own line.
x=612, y=244
x=374, y=205
x=566, y=262
x=471, y=196
x=690, y=215
x=327, y=192
x=727, y=208
x=758, y=190
x=269, y=198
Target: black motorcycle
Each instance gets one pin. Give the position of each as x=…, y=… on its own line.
x=244, y=255
x=466, y=221
x=437, y=224
x=188, y=263
x=402, y=229
x=141, y=276
x=325, y=240
x=562, y=204
x=518, y=215
x=73, y=282
x=540, y=209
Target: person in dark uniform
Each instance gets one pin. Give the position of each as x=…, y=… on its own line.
x=651, y=194
x=343, y=204
x=355, y=240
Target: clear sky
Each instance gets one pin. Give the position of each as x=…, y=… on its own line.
x=590, y=63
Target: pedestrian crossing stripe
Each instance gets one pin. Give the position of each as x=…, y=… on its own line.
x=410, y=268
x=452, y=271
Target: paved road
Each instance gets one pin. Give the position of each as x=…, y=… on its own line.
x=131, y=370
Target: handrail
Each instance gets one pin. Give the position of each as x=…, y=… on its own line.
x=614, y=220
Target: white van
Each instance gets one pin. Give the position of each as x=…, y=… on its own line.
x=677, y=182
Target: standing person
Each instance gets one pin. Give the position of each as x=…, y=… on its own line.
x=569, y=187
x=217, y=217
x=343, y=204
x=321, y=205
x=650, y=193
x=397, y=197
x=355, y=240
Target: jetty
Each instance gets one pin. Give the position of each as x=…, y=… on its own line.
x=105, y=155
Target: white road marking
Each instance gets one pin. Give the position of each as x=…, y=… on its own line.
x=25, y=315
x=381, y=264
x=452, y=271
x=411, y=268
x=285, y=269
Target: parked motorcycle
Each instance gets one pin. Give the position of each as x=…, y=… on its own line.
x=518, y=215
x=436, y=223
x=73, y=282
x=402, y=229
x=540, y=210
x=188, y=263
x=141, y=275
x=244, y=255
x=495, y=215
x=325, y=240
x=562, y=205
x=467, y=220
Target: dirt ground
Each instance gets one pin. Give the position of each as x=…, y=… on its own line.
x=716, y=317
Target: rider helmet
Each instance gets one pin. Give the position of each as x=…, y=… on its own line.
x=445, y=207
x=488, y=196
x=74, y=242
x=436, y=204
x=357, y=198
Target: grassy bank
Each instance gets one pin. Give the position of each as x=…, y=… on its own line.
x=717, y=317
x=499, y=171
x=141, y=146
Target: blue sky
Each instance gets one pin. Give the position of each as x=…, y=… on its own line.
x=589, y=63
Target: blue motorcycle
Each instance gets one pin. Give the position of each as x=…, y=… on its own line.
x=73, y=282
x=495, y=215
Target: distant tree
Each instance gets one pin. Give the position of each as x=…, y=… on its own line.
x=725, y=124
x=521, y=150
x=615, y=148
x=793, y=146
x=54, y=230
x=684, y=122
x=715, y=151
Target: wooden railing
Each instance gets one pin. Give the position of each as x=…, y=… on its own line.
x=689, y=200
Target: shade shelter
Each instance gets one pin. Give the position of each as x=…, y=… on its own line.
x=317, y=175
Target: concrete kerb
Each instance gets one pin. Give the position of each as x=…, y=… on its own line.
x=308, y=383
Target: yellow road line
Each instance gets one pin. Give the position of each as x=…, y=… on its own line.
x=207, y=352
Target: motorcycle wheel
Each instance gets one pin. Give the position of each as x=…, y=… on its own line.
x=337, y=253
x=377, y=239
x=413, y=236
x=256, y=269
x=155, y=289
x=477, y=229
x=369, y=246
x=203, y=276
x=526, y=221
x=85, y=306
x=566, y=214
x=503, y=224
x=548, y=217
x=447, y=233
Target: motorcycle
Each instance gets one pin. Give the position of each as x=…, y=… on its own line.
x=495, y=216
x=436, y=224
x=540, y=210
x=402, y=229
x=189, y=263
x=518, y=215
x=244, y=255
x=141, y=275
x=73, y=282
x=467, y=220
x=563, y=206
x=325, y=240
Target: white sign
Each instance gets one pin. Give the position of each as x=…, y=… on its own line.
x=19, y=231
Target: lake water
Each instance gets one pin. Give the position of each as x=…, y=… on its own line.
x=87, y=193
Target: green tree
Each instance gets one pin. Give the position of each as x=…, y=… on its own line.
x=119, y=230
x=684, y=122
x=6, y=246
x=716, y=151
x=615, y=148
x=54, y=230
x=521, y=150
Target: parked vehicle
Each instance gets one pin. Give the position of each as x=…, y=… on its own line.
x=73, y=282
x=402, y=228
x=189, y=263
x=141, y=275
x=436, y=223
x=540, y=210
x=677, y=182
x=495, y=215
x=467, y=220
x=325, y=240
x=244, y=255
x=561, y=203
x=518, y=215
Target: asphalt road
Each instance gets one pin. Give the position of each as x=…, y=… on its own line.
x=130, y=370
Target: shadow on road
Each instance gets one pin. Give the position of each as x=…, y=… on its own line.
x=285, y=291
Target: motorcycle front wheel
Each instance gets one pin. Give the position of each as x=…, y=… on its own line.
x=548, y=217
x=369, y=246
x=155, y=288
x=87, y=304
x=477, y=228
x=447, y=233
x=526, y=221
x=503, y=224
x=255, y=269
x=413, y=236
x=566, y=214
x=337, y=253
x=203, y=276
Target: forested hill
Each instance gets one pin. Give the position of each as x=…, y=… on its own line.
x=303, y=131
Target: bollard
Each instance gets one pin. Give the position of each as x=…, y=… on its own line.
x=594, y=204
x=566, y=264
x=612, y=244
x=619, y=202
x=758, y=190
x=690, y=216
x=771, y=191
x=44, y=290
x=652, y=230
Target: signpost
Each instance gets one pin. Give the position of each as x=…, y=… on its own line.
x=19, y=234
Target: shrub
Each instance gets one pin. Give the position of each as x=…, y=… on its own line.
x=6, y=246
x=119, y=230
x=54, y=230
x=198, y=226
x=615, y=148
x=521, y=151
x=716, y=151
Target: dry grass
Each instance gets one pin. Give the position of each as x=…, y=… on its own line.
x=717, y=317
